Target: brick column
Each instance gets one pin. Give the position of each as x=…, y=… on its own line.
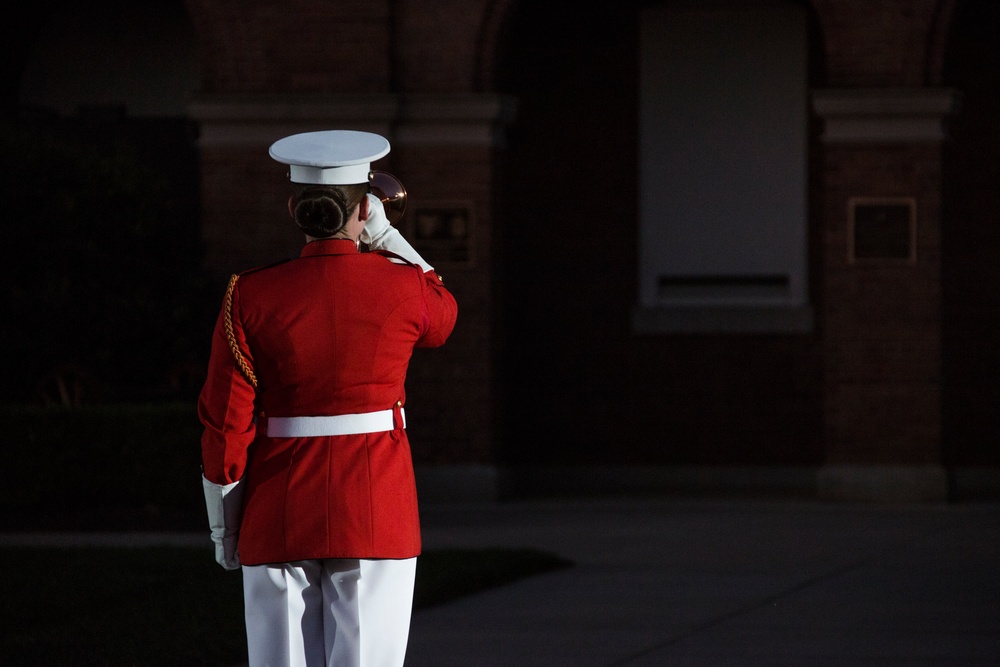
x=244, y=219
x=446, y=147
x=443, y=151
x=881, y=293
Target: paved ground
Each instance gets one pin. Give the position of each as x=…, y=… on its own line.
x=712, y=583
x=724, y=583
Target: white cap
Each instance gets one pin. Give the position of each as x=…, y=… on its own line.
x=330, y=157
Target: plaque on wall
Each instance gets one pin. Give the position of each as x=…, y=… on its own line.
x=882, y=228
x=440, y=232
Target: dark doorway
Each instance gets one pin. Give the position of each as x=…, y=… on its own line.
x=568, y=236
x=971, y=241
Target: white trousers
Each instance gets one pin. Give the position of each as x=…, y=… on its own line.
x=332, y=613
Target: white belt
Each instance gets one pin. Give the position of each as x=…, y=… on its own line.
x=308, y=427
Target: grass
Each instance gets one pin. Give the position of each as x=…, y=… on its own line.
x=175, y=606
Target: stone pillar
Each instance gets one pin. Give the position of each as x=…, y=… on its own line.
x=881, y=292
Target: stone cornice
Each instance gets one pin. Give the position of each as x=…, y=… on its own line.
x=447, y=119
x=884, y=115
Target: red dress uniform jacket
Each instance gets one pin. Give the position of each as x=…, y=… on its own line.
x=328, y=333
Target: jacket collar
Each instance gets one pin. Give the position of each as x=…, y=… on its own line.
x=329, y=247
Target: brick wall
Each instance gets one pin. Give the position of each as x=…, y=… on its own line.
x=298, y=46
x=543, y=344
x=451, y=390
x=245, y=220
x=880, y=42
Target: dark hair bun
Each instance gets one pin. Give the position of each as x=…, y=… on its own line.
x=320, y=214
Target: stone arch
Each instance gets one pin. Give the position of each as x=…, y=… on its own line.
x=497, y=15
x=937, y=41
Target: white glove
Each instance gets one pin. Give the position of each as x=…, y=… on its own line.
x=224, y=503
x=378, y=234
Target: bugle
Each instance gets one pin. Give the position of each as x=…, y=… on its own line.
x=391, y=193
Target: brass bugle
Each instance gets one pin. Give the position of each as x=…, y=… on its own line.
x=391, y=193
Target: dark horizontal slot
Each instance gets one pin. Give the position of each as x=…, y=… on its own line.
x=756, y=280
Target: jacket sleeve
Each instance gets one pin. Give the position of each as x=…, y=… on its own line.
x=440, y=311
x=226, y=403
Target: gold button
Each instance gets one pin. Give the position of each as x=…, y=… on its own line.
x=399, y=404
